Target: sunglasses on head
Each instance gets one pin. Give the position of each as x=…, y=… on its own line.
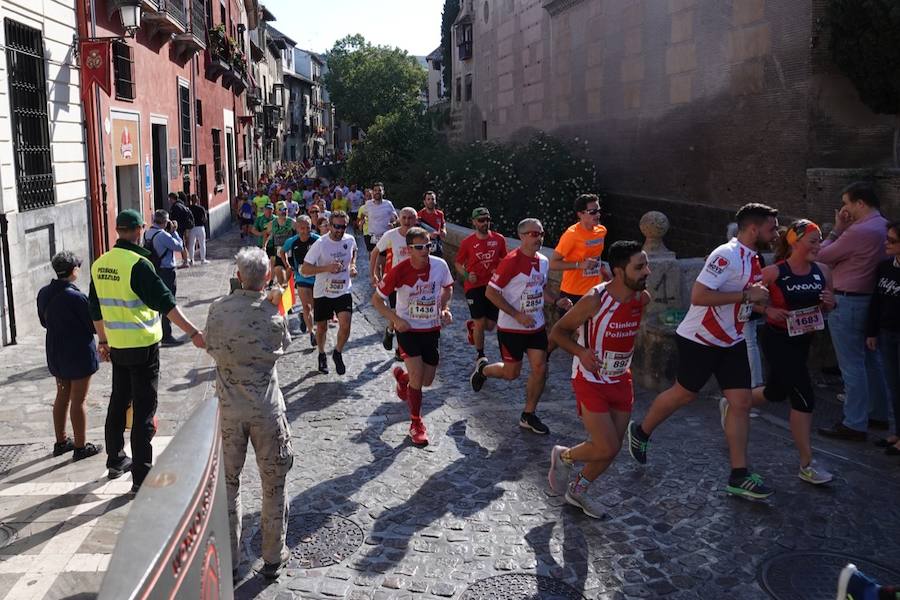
x=421, y=246
x=336, y=226
x=533, y=233
x=483, y=220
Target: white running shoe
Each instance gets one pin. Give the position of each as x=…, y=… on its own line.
x=723, y=411
x=560, y=470
x=815, y=474
x=588, y=506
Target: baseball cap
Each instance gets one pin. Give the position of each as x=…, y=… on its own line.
x=269, y=205
x=64, y=263
x=129, y=219
x=480, y=212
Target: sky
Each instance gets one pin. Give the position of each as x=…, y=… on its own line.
x=413, y=25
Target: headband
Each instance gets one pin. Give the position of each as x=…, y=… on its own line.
x=799, y=229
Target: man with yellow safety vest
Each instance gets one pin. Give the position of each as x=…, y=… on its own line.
x=126, y=299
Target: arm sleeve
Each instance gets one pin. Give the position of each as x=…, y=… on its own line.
x=84, y=313
x=94, y=304
x=447, y=280
x=388, y=285
x=39, y=307
x=383, y=243
x=565, y=244
x=836, y=251
x=502, y=247
x=462, y=256
x=505, y=272
x=150, y=288
x=312, y=255
x=716, y=271
x=168, y=241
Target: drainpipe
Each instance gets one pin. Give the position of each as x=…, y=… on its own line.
x=7, y=277
x=99, y=220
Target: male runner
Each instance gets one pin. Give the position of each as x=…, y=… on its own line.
x=606, y=321
x=294, y=250
x=277, y=232
x=711, y=342
x=477, y=259
x=434, y=218
x=518, y=288
x=389, y=252
x=332, y=259
x=578, y=252
x=379, y=214
x=261, y=199
x=422, y=286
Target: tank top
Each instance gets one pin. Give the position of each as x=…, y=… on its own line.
x=610, y=333
x=795, y=292
x=281, y=233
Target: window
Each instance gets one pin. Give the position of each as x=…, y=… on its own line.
x=464, y=41
x=484, y=130
x=30, y=123
x=217, y=156
x=184, y=116
x=458, y=89
x=222, y=15
x=436, y=65
x=198, y=106
x=437, y=90
x=209, y=13
x=468, y=87
x=123, y=70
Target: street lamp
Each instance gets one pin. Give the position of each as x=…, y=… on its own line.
x=129, y=13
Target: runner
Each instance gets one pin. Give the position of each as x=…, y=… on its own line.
x=340, y=202
x=518, y=288
x=422, y=286
x=379, y=214
x=578, y=252
x=477, y=259
x=332, y=259
x=434, y=218
x=711, y=342
x=389, y=252
x=261, y=225
x=260, y=200
x=800, y=290
x=277, y=232
x=246, y=214
x=357, y=199
x=295, y=250
x=293, y=207
x=606, y=322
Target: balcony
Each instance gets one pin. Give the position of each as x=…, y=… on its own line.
x=193, y=40
x=217, y=60
x=236, y=78
x=465, y=51
x=167, y=17
x=254, y=97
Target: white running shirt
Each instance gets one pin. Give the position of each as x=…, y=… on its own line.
x=521, y=280
x=394, y=244
x=418, y=292
x=732, y=267
x=324, y=252
x=379, y=217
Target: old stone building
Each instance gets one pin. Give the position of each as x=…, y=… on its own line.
x=693, y=106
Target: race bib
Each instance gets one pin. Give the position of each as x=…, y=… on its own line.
x=335, y=286
x=532, y=301
x=593, y=271
x=745, y=312
x=375, y=239
x=805, y=320
x=615, y=364
x=423, y=308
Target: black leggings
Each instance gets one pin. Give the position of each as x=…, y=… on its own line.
x=788, y=374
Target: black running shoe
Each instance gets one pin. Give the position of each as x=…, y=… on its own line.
x=477, y=379
x=118, y=468
x=388, y=340
x=312, y=339
x=86, y=452
x=302, y=324
x=323, y=363
x=532, y=422
x=60, y=448
x=339, y=366
x=636, y=446
x=750, y=486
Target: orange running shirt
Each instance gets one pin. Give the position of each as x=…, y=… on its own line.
x=575, y=245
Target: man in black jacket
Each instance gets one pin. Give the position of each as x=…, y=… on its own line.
x=197, y=235
x=181, y=214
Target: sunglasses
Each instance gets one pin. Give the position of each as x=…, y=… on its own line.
x=483, y=220
x=533, y=233
x=593, y=211
x=421, y=246
x=335, y=226
x=891, y=240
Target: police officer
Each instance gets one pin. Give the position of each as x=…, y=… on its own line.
x=246, y=336
x=126, y=299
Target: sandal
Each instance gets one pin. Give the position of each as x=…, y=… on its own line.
x=86, y=452
x=60, y=448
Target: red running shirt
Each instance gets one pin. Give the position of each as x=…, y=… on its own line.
x=418, y=292
x=481, y=257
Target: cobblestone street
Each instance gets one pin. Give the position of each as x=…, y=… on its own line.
x=375, y=518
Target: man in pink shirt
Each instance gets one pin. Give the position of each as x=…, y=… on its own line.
x=853, y=250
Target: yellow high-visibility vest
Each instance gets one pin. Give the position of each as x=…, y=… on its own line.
x=129, y=323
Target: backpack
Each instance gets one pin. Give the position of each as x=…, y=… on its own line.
x=155, y=257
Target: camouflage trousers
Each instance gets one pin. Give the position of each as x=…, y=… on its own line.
x=270, y=435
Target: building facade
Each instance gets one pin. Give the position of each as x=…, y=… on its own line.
x=434, y=93
x=681, y=103
x=43, y=168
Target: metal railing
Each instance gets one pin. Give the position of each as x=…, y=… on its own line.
x=175, y=9
x=198, y=19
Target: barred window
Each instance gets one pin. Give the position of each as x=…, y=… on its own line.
x=30, y=120
x=217, y=156
x=123, y=69
x=184, y=110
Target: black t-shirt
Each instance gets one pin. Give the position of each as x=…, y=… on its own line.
x=199, y=213
x=884, y=310
x=298, y=251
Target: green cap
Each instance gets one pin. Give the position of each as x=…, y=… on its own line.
x=480, y=212
x=129, y=219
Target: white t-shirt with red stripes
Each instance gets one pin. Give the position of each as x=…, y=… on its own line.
x=610, y=333
x=732, y=267
x=418, y=292
x=394, y=243
x=520, y=279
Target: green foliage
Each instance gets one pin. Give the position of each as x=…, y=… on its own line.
x=366, y=81
x=865, y=45
x=451, y=11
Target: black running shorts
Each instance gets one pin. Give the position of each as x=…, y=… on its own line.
x=324, y=308
x=513, y=346
x=479, y=306
x=698, y=362
x=788, y=375
x=420, y=343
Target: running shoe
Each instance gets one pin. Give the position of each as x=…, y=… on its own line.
x=418, y=433
x=271, y=571
x=397, y=356
x=815, y=474
x=637, y=447
x=723, y=411
x=477, y=379
x=751, y=486
x=581, y=500
x=302, y=324
x=470, y=332
x=87, y=451
x=339, y=365
x=60, y=448
x=118, y=468
x=855, y=585
x=560, y=470
x=312, y=339
x=532, y=422
x=402, y=379
x=323, y=363
x=388, y=340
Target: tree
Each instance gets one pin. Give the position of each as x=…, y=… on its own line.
x=451, y=11
x=366, y=81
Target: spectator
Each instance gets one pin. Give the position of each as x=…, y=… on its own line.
x=163, y=240
x=197, y=235
x=71, y=353
x=246, y=337
x=883, y=328
x=183, y=219
x=246, y=214
x=853, y=250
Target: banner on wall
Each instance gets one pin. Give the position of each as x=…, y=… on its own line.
x=95, y=66
x=124, y=143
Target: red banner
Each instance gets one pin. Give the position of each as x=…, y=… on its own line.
x=95, y=66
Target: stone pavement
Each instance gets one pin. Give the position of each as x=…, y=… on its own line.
x=374, y=517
